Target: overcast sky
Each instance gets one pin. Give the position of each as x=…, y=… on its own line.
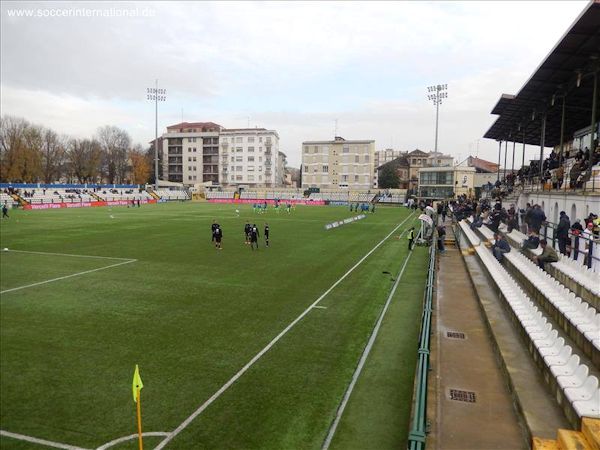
x=294, y=67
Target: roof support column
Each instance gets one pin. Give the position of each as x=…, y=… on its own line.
x=594, y=107
x=505, y=152
x=561, y=157
x=499, y=153
x=523, y=161
x=513, y=160
x=542, y=145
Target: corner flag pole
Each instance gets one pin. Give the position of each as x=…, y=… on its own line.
x=139, y=417
x=137, y=386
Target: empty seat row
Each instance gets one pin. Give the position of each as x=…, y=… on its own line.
x=581, y=316
x=574, y=385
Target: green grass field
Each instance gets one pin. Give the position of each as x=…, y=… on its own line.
x=192, y=317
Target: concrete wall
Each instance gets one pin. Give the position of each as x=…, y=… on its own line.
x=576, y=206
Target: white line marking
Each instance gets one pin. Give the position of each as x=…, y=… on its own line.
x=259, y=355
x=363, y=358
x=67, y=276
x=320, y=307
x=131, y=437
x=68, y=254
x=22, y=437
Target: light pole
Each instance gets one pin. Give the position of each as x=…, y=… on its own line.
x=436, y=94
x=158, y=95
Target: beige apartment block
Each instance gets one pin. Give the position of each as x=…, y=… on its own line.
x=339, y=163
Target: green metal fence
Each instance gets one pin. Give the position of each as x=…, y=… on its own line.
x=416, y=437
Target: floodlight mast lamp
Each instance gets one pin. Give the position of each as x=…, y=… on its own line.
x=158, y=95
x=436, y=94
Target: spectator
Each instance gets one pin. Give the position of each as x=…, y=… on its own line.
x=576, y=230
x=500, y=246
x=562, y=232
x=537, y=217
x=548, y=255
x=532, y=242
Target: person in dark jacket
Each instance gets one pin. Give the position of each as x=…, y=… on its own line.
x=562, y=232
x=532, y=242
x=500, y=246
x=537, y=217
x=576, y=230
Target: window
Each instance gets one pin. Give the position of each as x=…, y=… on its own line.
x=239, y=158
x=366, y=158
x=356, y=178
x=260, y=178
x=260, y=159
x=251, y=149
x=194, y=150
x=190, y=168
x=346, y=149
x=239, y=149
x=233, y=159
x=260, y=139
x=306, y=168
x=238, y=177
x=250, y=177
x=306, y=149
x=250, y=169
x=239, y=139
x=189, y=158
x=325, y=169
x=356, y=159
x=250, y=138
x=194, y=159
x=250, y=158
x=195, y=168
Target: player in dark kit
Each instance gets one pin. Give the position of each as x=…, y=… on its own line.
x=217, y=236
x=254, y=237
x=247, y=229
x=213, y=227
x=267, y=234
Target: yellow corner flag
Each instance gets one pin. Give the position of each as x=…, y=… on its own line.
x=137, y=383
x=137, y=386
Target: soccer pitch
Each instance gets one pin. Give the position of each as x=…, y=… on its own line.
x=236, y=348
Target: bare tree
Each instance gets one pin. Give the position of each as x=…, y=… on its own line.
x=115, y=143
x=53, y=156
x=85, y=159
x=12, y=143
x=140, y=165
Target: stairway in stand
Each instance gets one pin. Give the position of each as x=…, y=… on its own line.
x=154, y=194
x=19, y=199
x=97, y=197
x=586, y=439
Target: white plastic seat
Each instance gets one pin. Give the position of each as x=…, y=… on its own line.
x=575, y=380
x=568, y=369
x=584, y=392
x=548, y=341
x=553, y=350
x=561, y=359
x=588, y=408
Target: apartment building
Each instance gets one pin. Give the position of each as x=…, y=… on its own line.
x=206, y=153
x=339, y=163
x=251, y=157
x=190, y=153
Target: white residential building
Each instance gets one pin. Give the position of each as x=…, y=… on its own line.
x=190, y=153
x=338, y=164
x=251, y=157
x=206, y=153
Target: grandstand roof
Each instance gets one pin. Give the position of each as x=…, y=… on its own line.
x=575, y=56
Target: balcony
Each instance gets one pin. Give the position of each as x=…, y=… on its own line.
x=225, y=144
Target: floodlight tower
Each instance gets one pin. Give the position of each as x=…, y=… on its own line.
x=436, y=94
x=158, y=95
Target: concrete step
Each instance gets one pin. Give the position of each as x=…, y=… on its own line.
x=544, y=444
x=591, y=430
x=572, y=440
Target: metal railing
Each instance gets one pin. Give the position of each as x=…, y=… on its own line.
x=592, y=247
x=416, y=436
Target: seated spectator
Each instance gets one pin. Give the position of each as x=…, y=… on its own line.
x=548, y=254
x=500, y=246
x=532, y=242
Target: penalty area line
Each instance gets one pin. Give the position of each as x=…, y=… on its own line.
x=67, y=276
x=261, y=353
x=33, y=440
x=68, y=254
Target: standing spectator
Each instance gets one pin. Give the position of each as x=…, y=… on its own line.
x=576, y=230
x=584, y=243
x=548, y=254
x=527, y=217
x=537, y=217
x=441, y=237
x=411, y=238
x=500, y=246
x=562, y=232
